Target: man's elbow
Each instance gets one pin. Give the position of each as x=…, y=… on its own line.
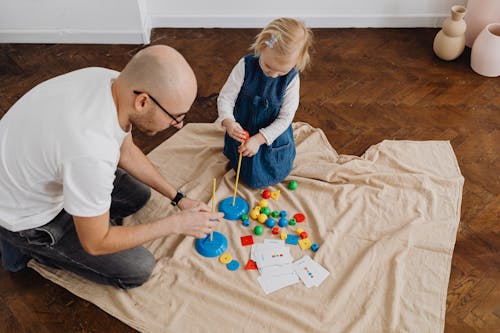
x=94, y=249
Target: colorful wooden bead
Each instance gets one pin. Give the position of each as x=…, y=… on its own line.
x=299, y=217
x=251, y=265
x=254, y=214
x=275, y=213
x=292, y=185
x=292, y=222
x=303, y=234
x=315, y=247
x=275, y=195
x=292, y=239
x=258, y=230
x=282, y=222
x=299, y=231
x=233, y=265
x=263, y=203
x=283, y=235
x=265, y=210
x=305, y=243
x=262, y=218
x=266, y=194
x=276, y=230
x=225, y=258
x=270, y=222
x=246, y=240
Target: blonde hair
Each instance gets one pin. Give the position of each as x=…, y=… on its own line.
x=286, y=35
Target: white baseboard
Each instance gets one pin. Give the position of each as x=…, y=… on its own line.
x=359, y=21
x=75, y=36
x=161, y=21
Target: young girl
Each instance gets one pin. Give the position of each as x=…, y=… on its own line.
x=261, y=96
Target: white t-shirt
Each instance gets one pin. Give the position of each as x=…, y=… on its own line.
x=59, y=148
x=231, y=89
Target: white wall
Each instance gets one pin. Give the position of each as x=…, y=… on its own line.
x=74, y=21
x=316, y=13
x=130, y=21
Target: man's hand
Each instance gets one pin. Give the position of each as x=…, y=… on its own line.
x=97, y=237
x=234, y=130
x=195, y=223
x=191, y=204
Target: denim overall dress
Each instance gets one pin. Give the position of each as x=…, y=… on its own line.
x=257, y=106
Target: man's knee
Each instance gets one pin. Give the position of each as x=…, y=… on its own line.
x=128, y=196
x=141, y=192
x=13, y=259
x=143, y=195
x=138, y=273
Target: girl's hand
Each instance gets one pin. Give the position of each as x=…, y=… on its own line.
x=234, y=130
x=251, y=147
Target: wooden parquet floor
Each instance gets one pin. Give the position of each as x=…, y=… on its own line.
x=364, y=86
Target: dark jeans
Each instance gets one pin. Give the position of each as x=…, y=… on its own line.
x=56, y=244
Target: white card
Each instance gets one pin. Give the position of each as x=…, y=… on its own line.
x=274, y=241
x=277, y=255
x=277, y=270
x=310, y=272
x=270, y=283
x=258, y=247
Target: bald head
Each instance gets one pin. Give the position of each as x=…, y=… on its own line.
x=164, y=73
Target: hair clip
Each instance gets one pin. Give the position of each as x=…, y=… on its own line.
x=271, y=42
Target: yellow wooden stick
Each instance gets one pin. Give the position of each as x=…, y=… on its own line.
x=213, y=206
x=213, y=195
x=237, y=177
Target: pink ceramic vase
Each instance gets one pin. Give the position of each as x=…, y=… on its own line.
x=449, y=42
x=485, y=55
x=479, y=14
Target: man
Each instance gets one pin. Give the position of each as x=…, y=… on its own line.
x=69, y=170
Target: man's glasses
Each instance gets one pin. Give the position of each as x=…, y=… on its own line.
x=177, y=121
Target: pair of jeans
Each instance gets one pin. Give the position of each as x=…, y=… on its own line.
x=56, y=243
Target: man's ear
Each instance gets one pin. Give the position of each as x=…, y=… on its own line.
x=141, y=102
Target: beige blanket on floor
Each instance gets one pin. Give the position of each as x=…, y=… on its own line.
x=386, y=223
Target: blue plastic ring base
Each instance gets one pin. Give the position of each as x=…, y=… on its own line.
x=233, y=212
x=211, y=248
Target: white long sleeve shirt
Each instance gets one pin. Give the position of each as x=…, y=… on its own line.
x=231, y=89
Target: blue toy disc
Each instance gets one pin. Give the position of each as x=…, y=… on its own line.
x=283, y=222
x=233, y=212
x=211, y=248
x=233, y=265
x=270, y=223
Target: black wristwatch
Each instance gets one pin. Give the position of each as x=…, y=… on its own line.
x=178, y=197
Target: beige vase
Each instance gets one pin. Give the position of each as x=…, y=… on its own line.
x=480, y=13
x=449, y=42
x=485, y=54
